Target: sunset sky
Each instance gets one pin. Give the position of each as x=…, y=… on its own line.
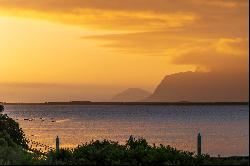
x=92, y=49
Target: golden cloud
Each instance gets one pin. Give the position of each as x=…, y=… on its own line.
x=132, y=14
x=119, y=20
x=223, y=55
x=197, y=32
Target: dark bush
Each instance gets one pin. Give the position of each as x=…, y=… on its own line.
x=1, y=108
x=9, y=126
x=134, y=152
x=12, y=154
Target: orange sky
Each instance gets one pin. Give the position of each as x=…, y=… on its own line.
x=92, y=49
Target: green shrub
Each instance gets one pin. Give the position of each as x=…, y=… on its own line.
x=12, y=154
x=96, y=152
x=9, y=126
x=134, y=152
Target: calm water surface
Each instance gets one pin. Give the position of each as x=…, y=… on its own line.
x=225, y=129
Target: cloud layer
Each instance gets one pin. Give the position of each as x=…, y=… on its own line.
x=196, y=32
x=133, y=14
x=208, y=35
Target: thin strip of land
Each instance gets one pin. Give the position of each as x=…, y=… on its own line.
x=130, y=103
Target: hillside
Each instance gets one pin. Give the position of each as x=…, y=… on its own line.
x=131, y=95
x=202, y=87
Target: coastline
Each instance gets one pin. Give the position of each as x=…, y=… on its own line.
x=129, y=103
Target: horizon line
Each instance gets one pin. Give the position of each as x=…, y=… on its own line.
x=129, y=103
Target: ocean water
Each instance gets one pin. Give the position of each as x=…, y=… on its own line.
x=224, y=128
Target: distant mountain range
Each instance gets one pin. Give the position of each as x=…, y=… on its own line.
x=202, y=87
x=131, y=95
x=193, y=87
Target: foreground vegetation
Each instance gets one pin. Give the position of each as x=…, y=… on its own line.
x=14, y=150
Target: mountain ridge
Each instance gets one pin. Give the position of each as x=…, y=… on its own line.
x=131, y=95
x=202, y=87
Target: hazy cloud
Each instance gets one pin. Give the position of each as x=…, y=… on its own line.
x=41, y=92
x=132, y=14
x=223, y=55
x=97, y=14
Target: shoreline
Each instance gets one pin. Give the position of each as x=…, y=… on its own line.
x=129, y=103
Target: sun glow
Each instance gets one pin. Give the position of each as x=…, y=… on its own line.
x=116, y=46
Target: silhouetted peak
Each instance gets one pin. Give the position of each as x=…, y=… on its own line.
x=131, y=95
x=202, y=86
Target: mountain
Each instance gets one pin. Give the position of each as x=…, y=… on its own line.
x=131, y=95
x=202, y=87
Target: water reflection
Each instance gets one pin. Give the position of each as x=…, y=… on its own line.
x=224, y=128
